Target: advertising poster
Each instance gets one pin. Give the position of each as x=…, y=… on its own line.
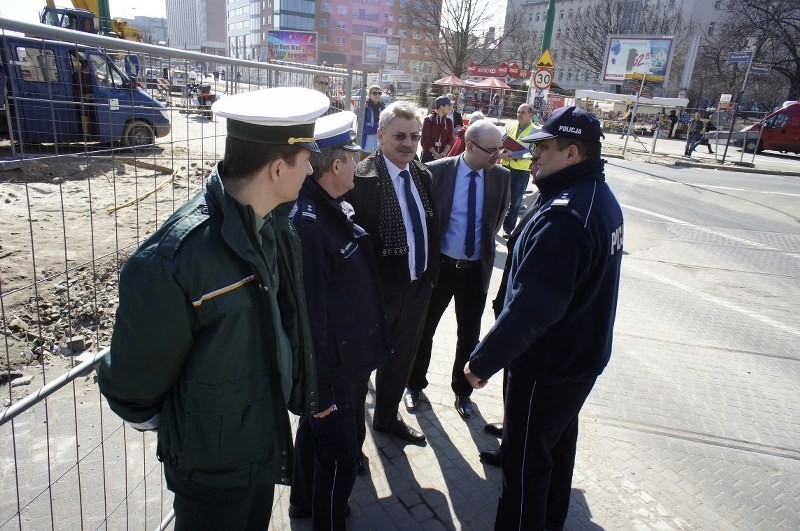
x=296, y=46
x=637, y=54
x=380, y=49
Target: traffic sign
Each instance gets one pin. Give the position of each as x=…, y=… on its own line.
x=760, y=68
x=542, y=78
x=545, y=61
x=740, y=57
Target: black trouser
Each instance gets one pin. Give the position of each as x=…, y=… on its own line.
x=540, y=435
x=518, y=183
x=326, y=452
x=406, y=306
x=466, y=286
x=198, y=507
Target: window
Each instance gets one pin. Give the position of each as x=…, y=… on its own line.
x=387, y=31
x=561, y=14
x=324, y=23
x=560, y=76
x=341, y=25
x=571, y=12
x=415, y=50
x=37, y=65
x=388, y=16
x=416, y=36
x=711, y=29
x=537, y=17
x=325, y=6
x=569, y=74
x=558, y=33
x=718, y=4
x=341, y=40
x=342, y=10
x=325, y=39
x=402, y=33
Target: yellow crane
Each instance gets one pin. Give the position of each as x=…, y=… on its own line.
x=92, y=16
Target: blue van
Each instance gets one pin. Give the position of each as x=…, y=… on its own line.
x=56, y=92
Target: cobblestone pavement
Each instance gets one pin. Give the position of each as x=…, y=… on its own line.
x=683, y=431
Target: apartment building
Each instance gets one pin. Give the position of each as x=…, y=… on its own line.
x=569, y=72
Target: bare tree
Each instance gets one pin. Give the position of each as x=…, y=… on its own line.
x=451, y=30
x=584, y=36
x=775, y=24
x=715, y=75
x=520, y=44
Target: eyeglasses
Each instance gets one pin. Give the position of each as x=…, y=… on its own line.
x=322, y=83
x=375, y=93
x=493, y=153
x=401, y=137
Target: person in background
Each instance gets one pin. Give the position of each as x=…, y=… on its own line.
x=673, y=121
x=372, y=112
x=470, y=196
x=694, y=132
x=347, y=327
x=393, y=202
x=459, y=145
x=454, y=115
x=322, y=84
x=555, y=330
x=211, y=342
x=437, y=131
x=702, y=140
x=519, y=166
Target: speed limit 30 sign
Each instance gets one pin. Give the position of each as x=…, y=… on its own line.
x=542, y=78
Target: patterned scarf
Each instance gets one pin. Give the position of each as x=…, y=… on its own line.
x=391, y=229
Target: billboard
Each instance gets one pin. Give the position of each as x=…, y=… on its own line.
x=380, y=49
x=297, y=46
x=637, y=54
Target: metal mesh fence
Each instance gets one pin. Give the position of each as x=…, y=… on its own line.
x=100, y=141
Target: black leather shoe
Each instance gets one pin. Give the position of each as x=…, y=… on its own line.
x=492, y=457
x=494, y=428
x=464, y=406
x=402, y=431
x=363, y=463
x=411, y=399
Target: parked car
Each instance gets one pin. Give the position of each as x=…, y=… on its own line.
x=780, y=131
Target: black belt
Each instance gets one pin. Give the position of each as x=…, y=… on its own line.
x=460, y=264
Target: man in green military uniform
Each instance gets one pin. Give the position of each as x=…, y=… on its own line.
x=211, y=343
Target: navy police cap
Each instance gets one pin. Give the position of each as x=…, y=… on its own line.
x=569, y=122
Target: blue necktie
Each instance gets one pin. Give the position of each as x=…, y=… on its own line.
x=416, y=223
x=469, y=240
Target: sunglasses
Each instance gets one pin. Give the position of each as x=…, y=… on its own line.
x=322, y=83
x=375, y=93
x=401, y=137
x=493, y=153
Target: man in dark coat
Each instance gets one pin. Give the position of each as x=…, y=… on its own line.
x=555, y=330
x=470, y=195
x=211, y=342
x=347, y=326
x=393, y=201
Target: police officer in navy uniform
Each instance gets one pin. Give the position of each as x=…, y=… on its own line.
x=347, y=327
x=555, y=329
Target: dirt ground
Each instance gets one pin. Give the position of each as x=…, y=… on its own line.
x=68, y=224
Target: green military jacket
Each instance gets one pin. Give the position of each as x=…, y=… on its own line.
x=195, y=342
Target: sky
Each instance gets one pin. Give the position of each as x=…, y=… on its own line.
x=28, y=10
